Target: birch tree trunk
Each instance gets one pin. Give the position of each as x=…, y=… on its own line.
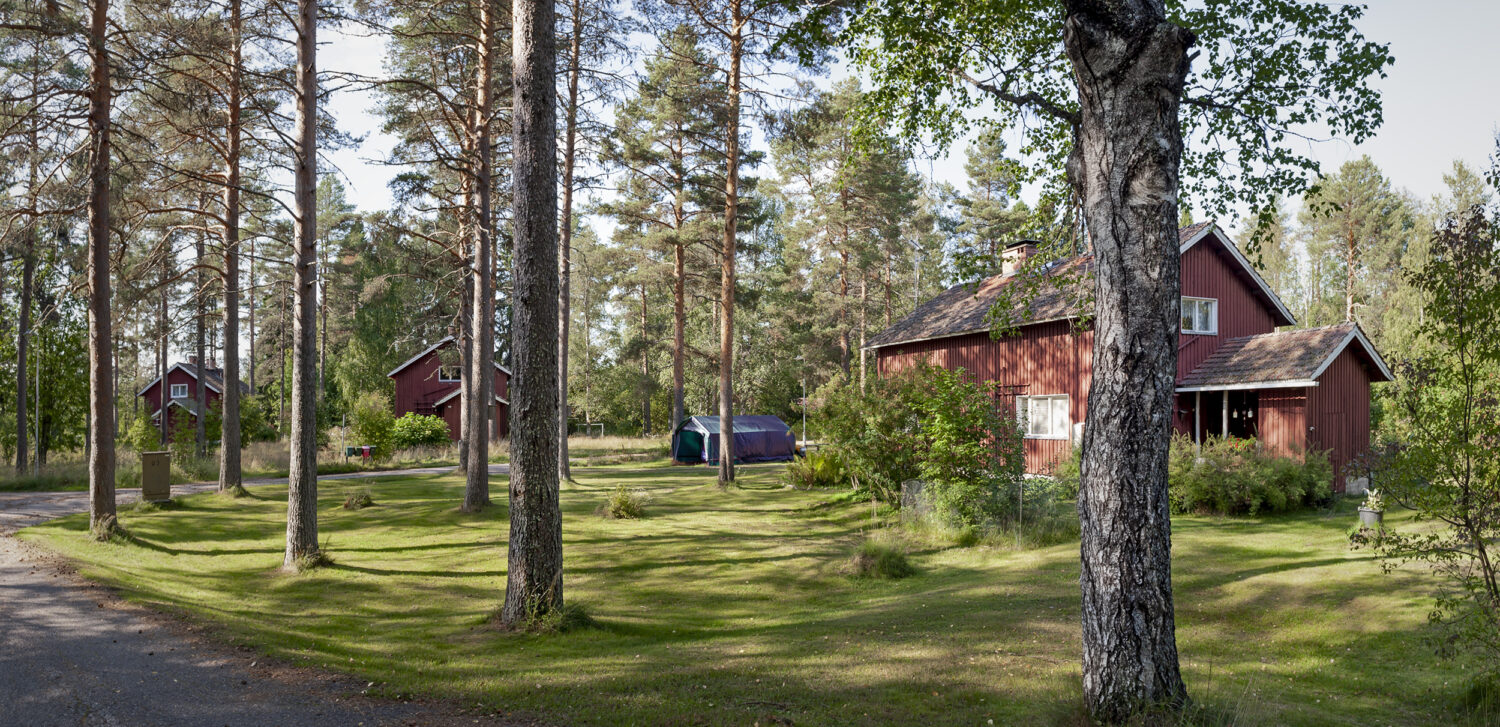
x=302, y=482
x=229, y=429
x=1130, y=65
x=101, y=456
x=534, y=585
x=481, y=362
x=727, y=265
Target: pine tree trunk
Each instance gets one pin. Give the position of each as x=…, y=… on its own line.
x=679, y=331
x=163, y=390
x=23, y=350
x=645, y=368
x=101, y=456
x=302, y=484
x=727, y=264
x=864, y=298
x=534, y=585
x=1349, y=266
x=1130, y=65
x=482, y=334
x=565, y=243
x=250, y=303
x=200, y=312
x=229, y=430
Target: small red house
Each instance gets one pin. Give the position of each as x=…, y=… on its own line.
x=431, y=382
x=183, y=380
x=1293, y=390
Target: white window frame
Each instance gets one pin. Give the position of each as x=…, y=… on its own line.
x=1023, y=414
x=179, y=387
x=1213, y=316
x=444, y=379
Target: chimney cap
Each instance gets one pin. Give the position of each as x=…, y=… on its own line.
x=1023, y=243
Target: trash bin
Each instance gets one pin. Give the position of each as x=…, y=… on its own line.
x=156, y=476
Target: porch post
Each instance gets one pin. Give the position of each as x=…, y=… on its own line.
x=1224, y=430
x=1198, y=423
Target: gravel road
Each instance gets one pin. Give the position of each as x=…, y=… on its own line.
x=71, y=653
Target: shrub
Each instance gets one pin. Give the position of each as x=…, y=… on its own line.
x=1068, y=474
x=419, y=430
x=973, y=460
x=625, y=504
x=371, y=423
x=816, y=469
x=873, y=433
x=358, y=498
x=142, y=436
x=879, y=557
x=1232, y=477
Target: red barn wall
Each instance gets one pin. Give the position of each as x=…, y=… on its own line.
x=1283, y=420
x=1048, y=358
x=1338, y=413
x=1206, y=273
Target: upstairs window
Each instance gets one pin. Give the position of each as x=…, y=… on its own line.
x=1044, y=417
x=1200, y=316
x=179, y=391
x=450, y=373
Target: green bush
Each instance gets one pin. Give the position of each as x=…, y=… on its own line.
x=816, y=469
x=142, y=436
x=1232, y=477
x=1068, y=474
x=372, y=424
x=625, y=504
x=880, y=558
x=874, y=432
x=973, y=462
x=419, y=430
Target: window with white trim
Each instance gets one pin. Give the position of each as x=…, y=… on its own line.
x=1044, y=417
x=1200, y=316
x=450, y=373
x=179, y=391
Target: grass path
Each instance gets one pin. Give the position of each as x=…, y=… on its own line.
x=730, y=607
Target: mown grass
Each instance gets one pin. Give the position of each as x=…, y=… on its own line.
x=736, y=607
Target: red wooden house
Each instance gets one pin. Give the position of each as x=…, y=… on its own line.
x=1293, y=390
x=183, y=380
x=431, y=383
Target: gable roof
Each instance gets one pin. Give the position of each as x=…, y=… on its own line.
x=963, y=308
x=1282, y=359
x=430, y=349
x=742, y=423
x=459, y=390
x=213, y=378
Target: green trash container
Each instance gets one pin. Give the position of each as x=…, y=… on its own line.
x=156, y=476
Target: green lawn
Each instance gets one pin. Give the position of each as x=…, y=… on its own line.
x=730, y=607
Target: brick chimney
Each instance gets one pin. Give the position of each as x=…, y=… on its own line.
x=193, y=360
x=1015, y=255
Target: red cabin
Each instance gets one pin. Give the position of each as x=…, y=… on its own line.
x=183, y=380
x=1293, y=390
x=431, y=383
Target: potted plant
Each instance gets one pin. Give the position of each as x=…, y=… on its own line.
x=1372, y=511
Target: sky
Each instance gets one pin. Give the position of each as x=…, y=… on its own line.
x=1440, y=97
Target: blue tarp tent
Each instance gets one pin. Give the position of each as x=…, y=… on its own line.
x=757, y=438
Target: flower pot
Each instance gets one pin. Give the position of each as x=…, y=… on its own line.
x=1371, y=518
